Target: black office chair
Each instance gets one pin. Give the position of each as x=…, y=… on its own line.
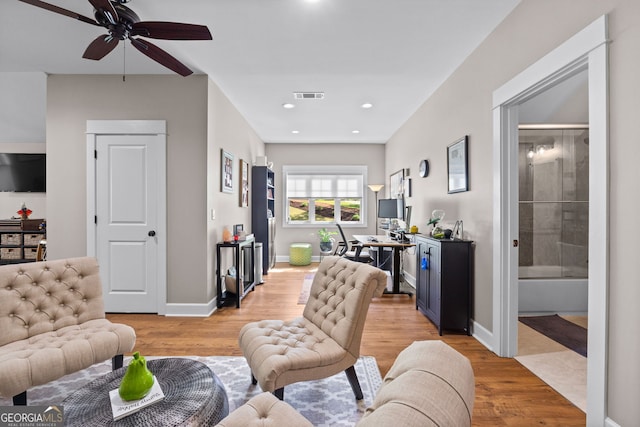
x=355, y=252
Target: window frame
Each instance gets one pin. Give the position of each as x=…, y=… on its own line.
x=331, y=171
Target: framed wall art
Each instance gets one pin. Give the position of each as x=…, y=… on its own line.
x=226, y=172
x=458, y=166
x=396, y=185
x=244, y=184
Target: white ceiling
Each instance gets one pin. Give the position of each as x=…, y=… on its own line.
x=391, y=53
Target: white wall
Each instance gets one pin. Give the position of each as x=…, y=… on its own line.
x=23, y=107
x=22, y=130
x=200, y=121
x=227, y=130
x=462, y=105
x=370, y=155
x=10, y=203
x=182, y=102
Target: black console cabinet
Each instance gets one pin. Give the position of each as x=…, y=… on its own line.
x=443, y=282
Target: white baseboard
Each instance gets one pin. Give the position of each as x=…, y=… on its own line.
x=608, y=422
x=483, y=335
x=191, y=310
x=282, y=258
x=411, y=280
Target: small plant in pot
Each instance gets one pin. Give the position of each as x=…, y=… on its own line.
x=326, y=241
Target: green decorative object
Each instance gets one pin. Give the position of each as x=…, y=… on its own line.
x=300, y=254
x=326, y=241
x=137, y=381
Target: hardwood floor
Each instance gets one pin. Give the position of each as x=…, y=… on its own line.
x=507, y=394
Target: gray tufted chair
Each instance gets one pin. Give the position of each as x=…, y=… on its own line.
x=326, y=339
x=52, y=323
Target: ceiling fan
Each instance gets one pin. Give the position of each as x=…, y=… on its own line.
x=123, y=23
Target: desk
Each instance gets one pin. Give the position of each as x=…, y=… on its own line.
x=381, y=241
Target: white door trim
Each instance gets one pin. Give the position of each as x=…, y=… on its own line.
x=130, y=127
x=586, y=50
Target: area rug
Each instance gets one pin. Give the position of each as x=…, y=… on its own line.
x=306, y=287
x=560, y=330
x=326, y=402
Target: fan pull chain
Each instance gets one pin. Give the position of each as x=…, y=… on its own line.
x=124, y=61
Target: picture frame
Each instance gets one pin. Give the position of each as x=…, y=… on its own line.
x=226, y=172
x=396, y=185
x=244, y=184
x=458, y=166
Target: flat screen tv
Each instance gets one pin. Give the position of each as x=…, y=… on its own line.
x=23, y=172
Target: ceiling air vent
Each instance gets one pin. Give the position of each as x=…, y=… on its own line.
x=308, y=95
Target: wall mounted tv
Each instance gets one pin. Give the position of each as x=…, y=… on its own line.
x=23, y=172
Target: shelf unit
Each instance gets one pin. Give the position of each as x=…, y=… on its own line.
x=243, y=284
x=19, y=240
x=263, y=213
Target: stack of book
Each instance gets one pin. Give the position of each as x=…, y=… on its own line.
x=122, y=408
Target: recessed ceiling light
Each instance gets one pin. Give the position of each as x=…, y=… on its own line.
x=367, y=105
x=355, y=131
x=295, y=131
x=288, y=105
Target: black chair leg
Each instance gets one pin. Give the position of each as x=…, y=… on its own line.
x=117, y=361
x=279, y=393
x=355, y=384
x=20, y=399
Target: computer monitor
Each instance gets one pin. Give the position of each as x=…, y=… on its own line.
x=390, y=208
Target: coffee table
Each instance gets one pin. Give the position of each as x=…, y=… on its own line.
x=194, y=395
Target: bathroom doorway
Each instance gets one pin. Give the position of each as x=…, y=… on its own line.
x=585, y=51
x=553, y=218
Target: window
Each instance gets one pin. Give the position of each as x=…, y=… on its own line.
x=324, y=194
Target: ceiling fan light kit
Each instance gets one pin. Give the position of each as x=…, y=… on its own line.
x=123, y=23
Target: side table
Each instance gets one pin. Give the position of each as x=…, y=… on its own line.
x=193, y=396
x=243, y=284
x=324, y=254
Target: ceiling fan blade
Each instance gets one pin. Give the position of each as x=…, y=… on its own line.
x=100, y=47
x=61, y=11
x=171, y=30
x=107, y=9
x=160, y=56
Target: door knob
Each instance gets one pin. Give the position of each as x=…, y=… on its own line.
x=152, y=233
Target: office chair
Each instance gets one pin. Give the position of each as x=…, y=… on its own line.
x=353, y=253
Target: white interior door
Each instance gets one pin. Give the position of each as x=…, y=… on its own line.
x=129, y=229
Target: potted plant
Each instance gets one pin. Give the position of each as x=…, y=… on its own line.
x=326, y=241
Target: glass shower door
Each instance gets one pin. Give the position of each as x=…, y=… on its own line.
x=554, y=203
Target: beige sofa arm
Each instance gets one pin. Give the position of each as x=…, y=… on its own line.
x=429, y=384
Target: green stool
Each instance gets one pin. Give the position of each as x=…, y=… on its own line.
x=300, y=254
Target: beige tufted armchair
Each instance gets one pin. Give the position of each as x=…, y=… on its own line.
x=326, y=339
x=52, y=323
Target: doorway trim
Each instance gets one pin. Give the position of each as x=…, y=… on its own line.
x=129, y=127
x=588, y=49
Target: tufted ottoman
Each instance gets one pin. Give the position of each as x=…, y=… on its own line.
x=300, y=254
x=52, y=323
